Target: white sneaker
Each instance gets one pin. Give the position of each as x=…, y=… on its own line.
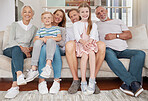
x=31, y=75
x=42, y=87
x=55, y=87
x=21, y=80
x=12, y=92
x=91, y=86
x=46, y=71
x=84, y=87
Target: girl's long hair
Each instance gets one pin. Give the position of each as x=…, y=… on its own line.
x=63, y=22
x=89, y=18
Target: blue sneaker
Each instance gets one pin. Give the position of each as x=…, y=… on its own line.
x=126, y=89
x=136, y=88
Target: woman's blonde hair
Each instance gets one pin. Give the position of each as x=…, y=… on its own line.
x=89, y=18
x=63, y=22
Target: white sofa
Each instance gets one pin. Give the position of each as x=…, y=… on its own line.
x=139, y=41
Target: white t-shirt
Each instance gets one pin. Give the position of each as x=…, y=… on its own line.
x=70, y=34
x=112, y=26
x=78, y=28
x=26, y=27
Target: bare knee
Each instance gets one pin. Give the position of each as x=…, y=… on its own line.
x=91, y=53
x=70, y=46
x=101, y=46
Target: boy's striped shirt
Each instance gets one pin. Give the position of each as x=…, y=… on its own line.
x=52, y=31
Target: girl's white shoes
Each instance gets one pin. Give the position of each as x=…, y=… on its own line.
x=12, y=92
x=90, y=89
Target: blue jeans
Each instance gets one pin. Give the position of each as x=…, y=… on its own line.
x=134, y=73
x=56, y=63
x=17, y=59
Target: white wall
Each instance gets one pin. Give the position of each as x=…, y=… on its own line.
x=7, y=13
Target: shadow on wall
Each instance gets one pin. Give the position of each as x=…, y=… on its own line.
x=18, y=5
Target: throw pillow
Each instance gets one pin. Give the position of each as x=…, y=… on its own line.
x=139, y=38
x=6, y=37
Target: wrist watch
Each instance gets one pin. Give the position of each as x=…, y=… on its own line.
x=117, y=36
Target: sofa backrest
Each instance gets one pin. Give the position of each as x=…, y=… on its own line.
x=1, y=41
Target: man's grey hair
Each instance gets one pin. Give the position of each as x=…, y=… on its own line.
x=100, y=6
x=26, y=6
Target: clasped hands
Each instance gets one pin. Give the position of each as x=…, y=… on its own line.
x=27, y=51
x=86, y=44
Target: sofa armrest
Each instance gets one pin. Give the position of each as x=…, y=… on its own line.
x=1, y=41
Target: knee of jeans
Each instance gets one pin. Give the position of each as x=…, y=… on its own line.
x=16, y=48
x=37, y=43
x=141, y=53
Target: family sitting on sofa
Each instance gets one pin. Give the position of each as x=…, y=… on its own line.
x=93, y=42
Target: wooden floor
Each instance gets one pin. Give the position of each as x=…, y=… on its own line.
x=103, y=84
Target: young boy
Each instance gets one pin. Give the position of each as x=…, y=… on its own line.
x=47, y=35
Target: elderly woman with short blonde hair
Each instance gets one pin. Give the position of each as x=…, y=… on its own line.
x=19, y=47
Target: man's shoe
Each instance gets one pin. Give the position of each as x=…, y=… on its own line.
x=136, y=88
x=42, y=87
x=12, y=92
x=74, y=87
x=21, y=80
x=31, y=75
x=97, y=90
x=126, y=89
x=55, y=87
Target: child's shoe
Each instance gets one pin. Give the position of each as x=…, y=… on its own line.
x=84, y=87
x=46, y=71
x=21, y=80
x=91, y=86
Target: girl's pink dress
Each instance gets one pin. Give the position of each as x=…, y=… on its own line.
x=79, y=47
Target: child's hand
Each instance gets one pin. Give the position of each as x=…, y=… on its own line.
x=44, y=39
x=88, y=44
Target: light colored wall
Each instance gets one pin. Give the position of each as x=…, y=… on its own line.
x=7, y=13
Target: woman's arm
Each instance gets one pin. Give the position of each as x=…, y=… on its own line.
x=12, y=35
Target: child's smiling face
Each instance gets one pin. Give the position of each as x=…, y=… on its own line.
x=47, y=19
x=84, y=13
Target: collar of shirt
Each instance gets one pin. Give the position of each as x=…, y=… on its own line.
x=26, y=27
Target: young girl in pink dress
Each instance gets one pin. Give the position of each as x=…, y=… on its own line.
x=86, y=35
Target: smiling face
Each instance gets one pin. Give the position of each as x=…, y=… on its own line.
x=84, y=13
x=27, y=13
x=58, y=17
x=47, y=19
x=74, y=16
x=101, y=13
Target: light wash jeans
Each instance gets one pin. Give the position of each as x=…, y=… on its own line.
x=17, y=59
x=134, y=73
x=56, y=63
x=50, y=50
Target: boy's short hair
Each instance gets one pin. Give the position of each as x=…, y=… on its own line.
x=46, y=13
x=73, y=9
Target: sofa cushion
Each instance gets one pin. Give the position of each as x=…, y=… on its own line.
x=139, y=38
x=6, y=37
x=146, y=58
x=5, y=63
x=1, y=41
